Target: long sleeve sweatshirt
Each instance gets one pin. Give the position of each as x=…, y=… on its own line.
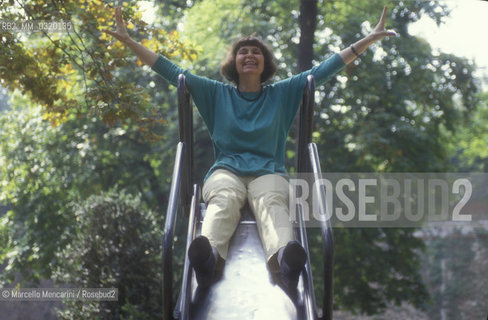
x=249, y=137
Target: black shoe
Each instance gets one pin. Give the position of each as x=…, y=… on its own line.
x=203, y=258
x=292, y=262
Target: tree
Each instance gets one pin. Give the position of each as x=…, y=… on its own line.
x=79, y=70
x=387, y=114
x=468, y=146
x=116, y=245
x=454, y=271
x=308, y=24
x=102, y=120
x=44, y=168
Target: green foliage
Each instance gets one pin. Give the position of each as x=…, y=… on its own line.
x=114, y=244
x=382, y=266
x=387, y=112
x=44, y=168
x=78, y=71
x=3, y=99
x=468, y=145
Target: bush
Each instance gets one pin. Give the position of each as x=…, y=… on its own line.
x=116, y=245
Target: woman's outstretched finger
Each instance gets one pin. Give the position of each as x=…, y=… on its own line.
x=383, y=15
x=381, y=24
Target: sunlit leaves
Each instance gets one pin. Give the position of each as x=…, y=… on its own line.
x=76, y=71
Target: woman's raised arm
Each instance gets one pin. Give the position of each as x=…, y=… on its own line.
x=352, y=52
x=144, y=54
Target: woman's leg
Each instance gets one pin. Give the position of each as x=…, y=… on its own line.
x=268, y=199
x=225, y=194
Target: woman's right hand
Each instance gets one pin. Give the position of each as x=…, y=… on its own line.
x=120, y=32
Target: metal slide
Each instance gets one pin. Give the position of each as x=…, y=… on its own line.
x=246, y=289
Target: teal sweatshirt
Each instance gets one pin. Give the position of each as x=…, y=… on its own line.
x=248, y=136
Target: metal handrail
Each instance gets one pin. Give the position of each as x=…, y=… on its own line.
x=304, y=127
x=307, y=160
x=327, y=237
x=185, y=119
x=184, y=307
x=169, y=231
x=181, y=190
x=309, y=294
x=181, y=186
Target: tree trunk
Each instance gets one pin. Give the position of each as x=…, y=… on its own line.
x=308, y=24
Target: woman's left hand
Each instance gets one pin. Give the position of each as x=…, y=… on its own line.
x=379, y=31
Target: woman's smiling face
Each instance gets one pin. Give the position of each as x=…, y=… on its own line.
x=249, y=60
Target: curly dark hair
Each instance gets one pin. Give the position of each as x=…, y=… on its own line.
x=228, y=68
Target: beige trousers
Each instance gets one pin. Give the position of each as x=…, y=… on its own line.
x=225, y=194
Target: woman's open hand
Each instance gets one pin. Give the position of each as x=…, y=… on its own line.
x=379, y=31
x=349, y=54
x=120, y=32
x=144, y=54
